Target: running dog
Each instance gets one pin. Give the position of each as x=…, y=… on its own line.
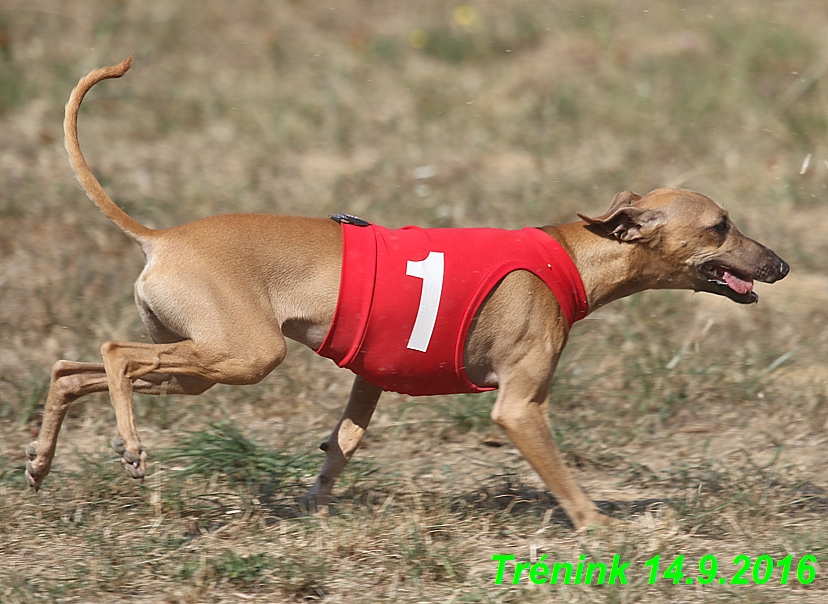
x=421, y=311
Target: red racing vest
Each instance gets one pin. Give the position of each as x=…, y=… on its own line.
x=408, y=296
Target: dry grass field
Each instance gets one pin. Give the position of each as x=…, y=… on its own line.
x=701, y=424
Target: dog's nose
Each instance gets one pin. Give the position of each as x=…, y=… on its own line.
x=784, y=268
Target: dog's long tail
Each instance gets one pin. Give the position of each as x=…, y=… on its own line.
x=84, y=175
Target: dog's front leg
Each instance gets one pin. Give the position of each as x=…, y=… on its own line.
x=521, y=410
x=343, y=441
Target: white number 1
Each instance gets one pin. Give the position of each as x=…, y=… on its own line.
x=430, y=271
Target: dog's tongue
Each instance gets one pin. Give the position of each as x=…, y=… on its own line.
x=740, y=286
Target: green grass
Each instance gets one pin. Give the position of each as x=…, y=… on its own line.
x=223, y=450
x=242, y=570
x=30, y=394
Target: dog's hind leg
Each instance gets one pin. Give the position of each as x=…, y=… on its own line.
x=70, y=381
x=343, y=441
x=238, y=361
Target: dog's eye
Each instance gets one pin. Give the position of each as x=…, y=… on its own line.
x=721, y=227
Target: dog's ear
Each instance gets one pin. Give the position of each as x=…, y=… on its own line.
x=625, y=221
x=621, y=199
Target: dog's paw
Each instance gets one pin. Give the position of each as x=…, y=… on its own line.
x=135, y=464
x=36, y=468
x=307, y=503
x=608, y=522
x=313, y=503
x=599, y=523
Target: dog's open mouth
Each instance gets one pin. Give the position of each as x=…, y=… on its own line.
x=728, y=283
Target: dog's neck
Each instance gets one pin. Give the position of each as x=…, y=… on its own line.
x=609, y=268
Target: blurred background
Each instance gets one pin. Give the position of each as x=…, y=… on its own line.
x=701, y=423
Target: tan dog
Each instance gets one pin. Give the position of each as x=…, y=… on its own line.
x=220, y=295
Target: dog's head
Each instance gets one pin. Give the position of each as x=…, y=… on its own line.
x=689, y=242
